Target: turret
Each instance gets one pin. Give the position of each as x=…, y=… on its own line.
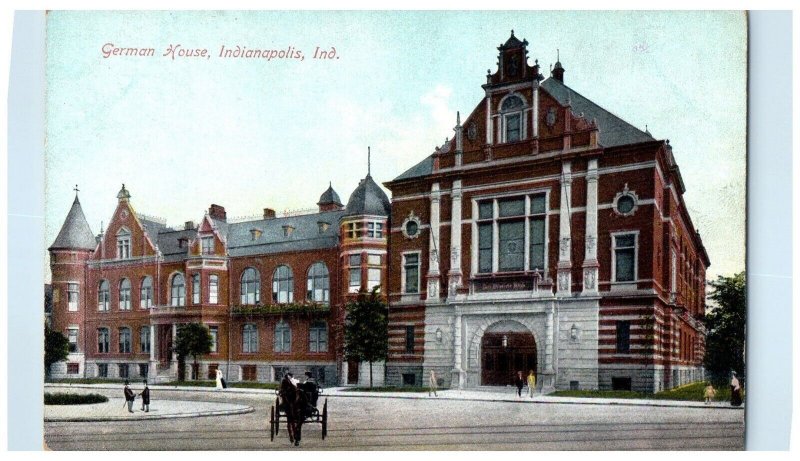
x=329, y=200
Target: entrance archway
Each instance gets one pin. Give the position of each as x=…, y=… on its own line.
x=506, y=348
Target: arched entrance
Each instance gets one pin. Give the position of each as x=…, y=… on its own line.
x=506, y=348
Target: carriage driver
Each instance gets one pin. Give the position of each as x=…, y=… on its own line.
x=311, y=387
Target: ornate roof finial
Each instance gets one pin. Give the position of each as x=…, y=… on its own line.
x=368, y=161
x=123, y=193
x=512, y=32
x=558, y=54
x=458, y=118
x=76, y=189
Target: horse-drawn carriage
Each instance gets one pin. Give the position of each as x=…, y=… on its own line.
x=298, y=409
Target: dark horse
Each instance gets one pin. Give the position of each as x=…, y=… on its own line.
x=293, y=403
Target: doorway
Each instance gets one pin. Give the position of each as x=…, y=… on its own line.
x=503, y=354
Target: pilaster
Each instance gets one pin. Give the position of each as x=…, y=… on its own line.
x=564, y=285
x=455, y=276
x=433, y=247
x=590, y=264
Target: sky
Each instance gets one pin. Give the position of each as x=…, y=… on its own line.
x=247, y=134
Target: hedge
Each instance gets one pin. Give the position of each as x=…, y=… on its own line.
x=73, y=399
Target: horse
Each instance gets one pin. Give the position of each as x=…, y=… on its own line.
x=294, y=402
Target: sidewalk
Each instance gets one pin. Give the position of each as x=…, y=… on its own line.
x=117, y=410
x=483, y=394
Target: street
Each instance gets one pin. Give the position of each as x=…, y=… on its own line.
x=366, y=423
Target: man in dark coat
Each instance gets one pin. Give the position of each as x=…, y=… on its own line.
x=145, y=398
x=129, y=397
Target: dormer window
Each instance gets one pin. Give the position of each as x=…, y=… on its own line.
x=255, y=234
x=207, y=245
x=182, y=242
x=287, y=231
x=123, y=244
x=512, y=110
x=323, y=226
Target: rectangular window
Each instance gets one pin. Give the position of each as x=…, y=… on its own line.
x=513, y=127
x=196, y=289
x=73, y=368
x=123, y=247
x=409, y=379
x=373, y=278
x=521, y=229
x=623, y=336
x=102, y=370
x=213, y=289
x=512, y=246
x=102, y=340
x=411, y=268
x=374, y=229
x=72, y=337
x=214, y=335
x=249, y=373
x=354, y=230
x=146, y=296
x=212, y=370
x=537, y=231
x=485, y=247
x=72, y=296
x=144, y=340
x=208, y=245
x=625, y=257
x=318, y=338
x=621, y=384
x=123, y=370
x=279, y=372
x=124, y=340
x=143, y=370
x=409, y=339
x=374, y=260
x=250, y=339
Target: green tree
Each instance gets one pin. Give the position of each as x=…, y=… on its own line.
x=725, y=325
x=56, y=348
x=366, y=329
x=192, y=339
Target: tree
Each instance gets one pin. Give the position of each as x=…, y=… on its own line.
x=725, y=325
x=56, y=348
x=366, y=329
x=193, y=339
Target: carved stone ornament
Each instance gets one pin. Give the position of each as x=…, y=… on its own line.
x=564, y=247
x=551, y=117
x=412, y=226
x=123, y=214
x=626, y=202
x=472, y=131
x=588, y=278
x=563, y=281
x=590, y=243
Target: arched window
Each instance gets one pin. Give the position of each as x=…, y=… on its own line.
x=178, y=290
x=282, y=285
x=283, y=337
x=511, y=110
x=125, y=295
x=146, y=293
x=123, y=243
x=249, y=338
x=251, y=286
x=318, y=337
x=144, y=339
x=124, y=340
x=196, y=289
x=318, y=283
x=103, y=296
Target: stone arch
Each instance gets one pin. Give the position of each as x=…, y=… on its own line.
x=530, y=323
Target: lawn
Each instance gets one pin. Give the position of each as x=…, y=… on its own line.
x=691, y=392
x=119, y=381
x=240, y=385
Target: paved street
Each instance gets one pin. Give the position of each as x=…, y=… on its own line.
x=364, y=423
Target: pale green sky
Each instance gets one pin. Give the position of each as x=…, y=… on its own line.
x=249, y=134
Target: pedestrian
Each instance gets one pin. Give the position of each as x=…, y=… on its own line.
x=736, y=391
x=531, y=383
x=145, y=398
x=520, y=382
x=432, y=384
x=709, y=393
x=129, y=396
x=221, y=384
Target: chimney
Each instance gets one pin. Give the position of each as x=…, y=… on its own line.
x=188, y=225
x=217, y=212
x=269, y=213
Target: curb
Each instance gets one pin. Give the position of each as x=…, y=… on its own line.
x=239, y=411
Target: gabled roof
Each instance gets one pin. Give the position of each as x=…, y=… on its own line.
x=613, y=131
x=305, y=235
x=368, y=199
x=75, y=233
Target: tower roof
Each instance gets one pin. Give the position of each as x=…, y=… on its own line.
x=368, y=199
x=75, y=233
x=329, y=197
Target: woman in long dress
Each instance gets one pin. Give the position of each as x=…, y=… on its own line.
x=736, y=391
x=219, y=380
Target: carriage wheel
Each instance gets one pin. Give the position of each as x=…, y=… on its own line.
x=325, y=419
x=277, y=416
x=272, y=424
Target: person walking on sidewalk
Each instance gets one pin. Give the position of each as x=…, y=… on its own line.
x=129, y=396
x=736, y=391
x=531, y=383
x=432, y=384
x=520, y=382
x=709, y=393
x=145, y=398
x=221, y=384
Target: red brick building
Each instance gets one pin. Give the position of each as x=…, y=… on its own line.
x=547, y=235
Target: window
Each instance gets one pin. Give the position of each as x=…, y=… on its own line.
x=73, y=368
x=143, y=370
x=196, y=289
x=144, y=340
x=123, y=370
x=318, y=337
x=502, y=225
x=511, y=110
x=374, y=229
x=102, y=370
x=102, y=340
x=283, y=337
x=623, y=336
x=625, y=204
x=621, y=384
x=213, y=289
x=411, y=273
x=214, y=331
x=624, y=257
x=373, y=277
x=318, y=283
x=103, y=296
x=178, y=290
x=212, y=370
x=409, y=379
x=124, y=340
x=123, y=244
x=355, y=273
x=409, y=339
x=72, y=296
x=354, y=230
x=146, y=293
x=249, y=338
x=282, y=284
x=207, y=245
x=279, y=372
x=72, y=338
x=249, y=373
x=251, y=286
x=125, y=295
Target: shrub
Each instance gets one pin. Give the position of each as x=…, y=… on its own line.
x=73, y=399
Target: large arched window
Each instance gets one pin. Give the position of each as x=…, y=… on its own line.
x=146, y=293
x=178, y=290
x=318, y=283
x=103, y=296
x=125, y=295
x=283, y=337
x=282, y=285
x=318, y=337
x=251, y=286
x=511, y=110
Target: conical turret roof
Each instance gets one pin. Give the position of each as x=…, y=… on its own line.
x=368, y=199
x=329, y=197
x=75, y=234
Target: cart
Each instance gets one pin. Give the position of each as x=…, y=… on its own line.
x=312, y=414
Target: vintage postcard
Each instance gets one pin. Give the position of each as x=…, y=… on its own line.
x=380, y=230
